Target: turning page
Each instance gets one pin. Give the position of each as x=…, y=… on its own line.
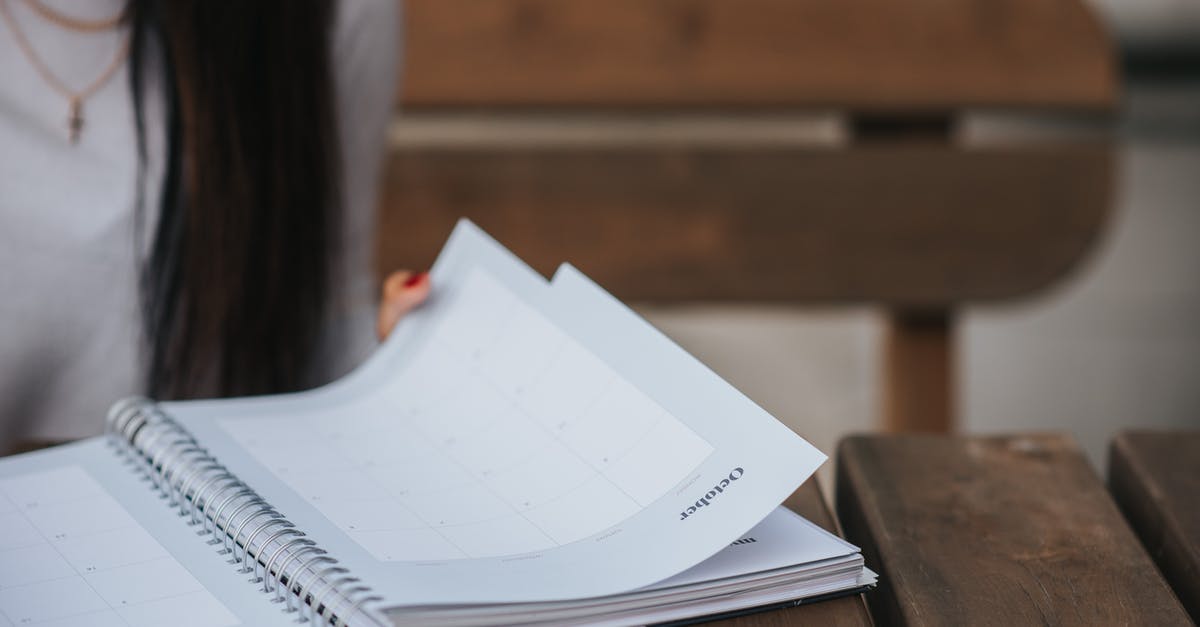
x=513, y=441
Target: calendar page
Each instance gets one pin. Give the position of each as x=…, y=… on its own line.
x=85, y=541
x=513, y=441
x=503, y=437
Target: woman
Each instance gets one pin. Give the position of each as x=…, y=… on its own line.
x=186, y=200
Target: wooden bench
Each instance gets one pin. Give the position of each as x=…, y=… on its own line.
x=871, y=55
x=1007, y=530
x=798, y=151
x=1155, y=479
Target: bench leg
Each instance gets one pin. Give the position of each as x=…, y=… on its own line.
x=918, y=373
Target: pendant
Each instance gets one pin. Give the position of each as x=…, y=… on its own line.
x=75, y=120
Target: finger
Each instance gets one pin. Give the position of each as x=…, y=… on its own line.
x=402, y=292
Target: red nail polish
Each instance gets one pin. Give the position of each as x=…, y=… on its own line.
x=415, y=279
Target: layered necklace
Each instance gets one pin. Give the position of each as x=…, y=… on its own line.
x=75, y=97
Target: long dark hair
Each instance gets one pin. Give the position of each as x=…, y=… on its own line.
x=237, y=275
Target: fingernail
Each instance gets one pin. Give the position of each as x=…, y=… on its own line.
x=415, y=279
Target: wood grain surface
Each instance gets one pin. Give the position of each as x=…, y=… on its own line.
x=860, y=54
x=1155, y=479
x=916, y=226
x=1009, y=530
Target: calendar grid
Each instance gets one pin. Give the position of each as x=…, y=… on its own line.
x=417, y=514
x=20, y=511
x=92, y=557
x=512, y=426
x=516, y=405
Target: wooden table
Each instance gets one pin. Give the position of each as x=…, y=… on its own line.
x=1155, y=479
x=844, y=612
x=1010, y=530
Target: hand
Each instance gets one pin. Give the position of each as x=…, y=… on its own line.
x=402, y=292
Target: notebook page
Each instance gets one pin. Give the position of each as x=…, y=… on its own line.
x=770, y=551
x=782, y=539
x=498, y=458
x=84, y=541
x=643, y=353
x=516, y=440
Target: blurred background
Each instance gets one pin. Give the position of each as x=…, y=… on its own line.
x=976, y=216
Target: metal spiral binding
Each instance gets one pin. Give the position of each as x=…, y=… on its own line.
x=291, y=567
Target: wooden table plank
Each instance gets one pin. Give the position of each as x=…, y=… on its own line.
x=844, y=612
x=1155, y=479
x=1011, y=530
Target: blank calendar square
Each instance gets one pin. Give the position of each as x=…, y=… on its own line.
x=643, y=472
x=480, y=455
x=525, y=487
x=32, y=564
x=69, y=519
x=509, y=535
x=426, y=469
x=586, y=510
x=416, y=545
x=573, y=380
x=101, y=618
x=372, y=515
x=45, y=488
x=195, y=609
x=469, y=503
x=16, y=531
x=100, y=551
x=145, y=581
x=46, y=600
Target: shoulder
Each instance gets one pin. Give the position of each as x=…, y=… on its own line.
x=366, y=36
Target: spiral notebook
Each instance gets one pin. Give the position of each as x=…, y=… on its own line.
x=518, y=451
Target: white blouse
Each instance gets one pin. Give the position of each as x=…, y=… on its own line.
x=70, y=325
